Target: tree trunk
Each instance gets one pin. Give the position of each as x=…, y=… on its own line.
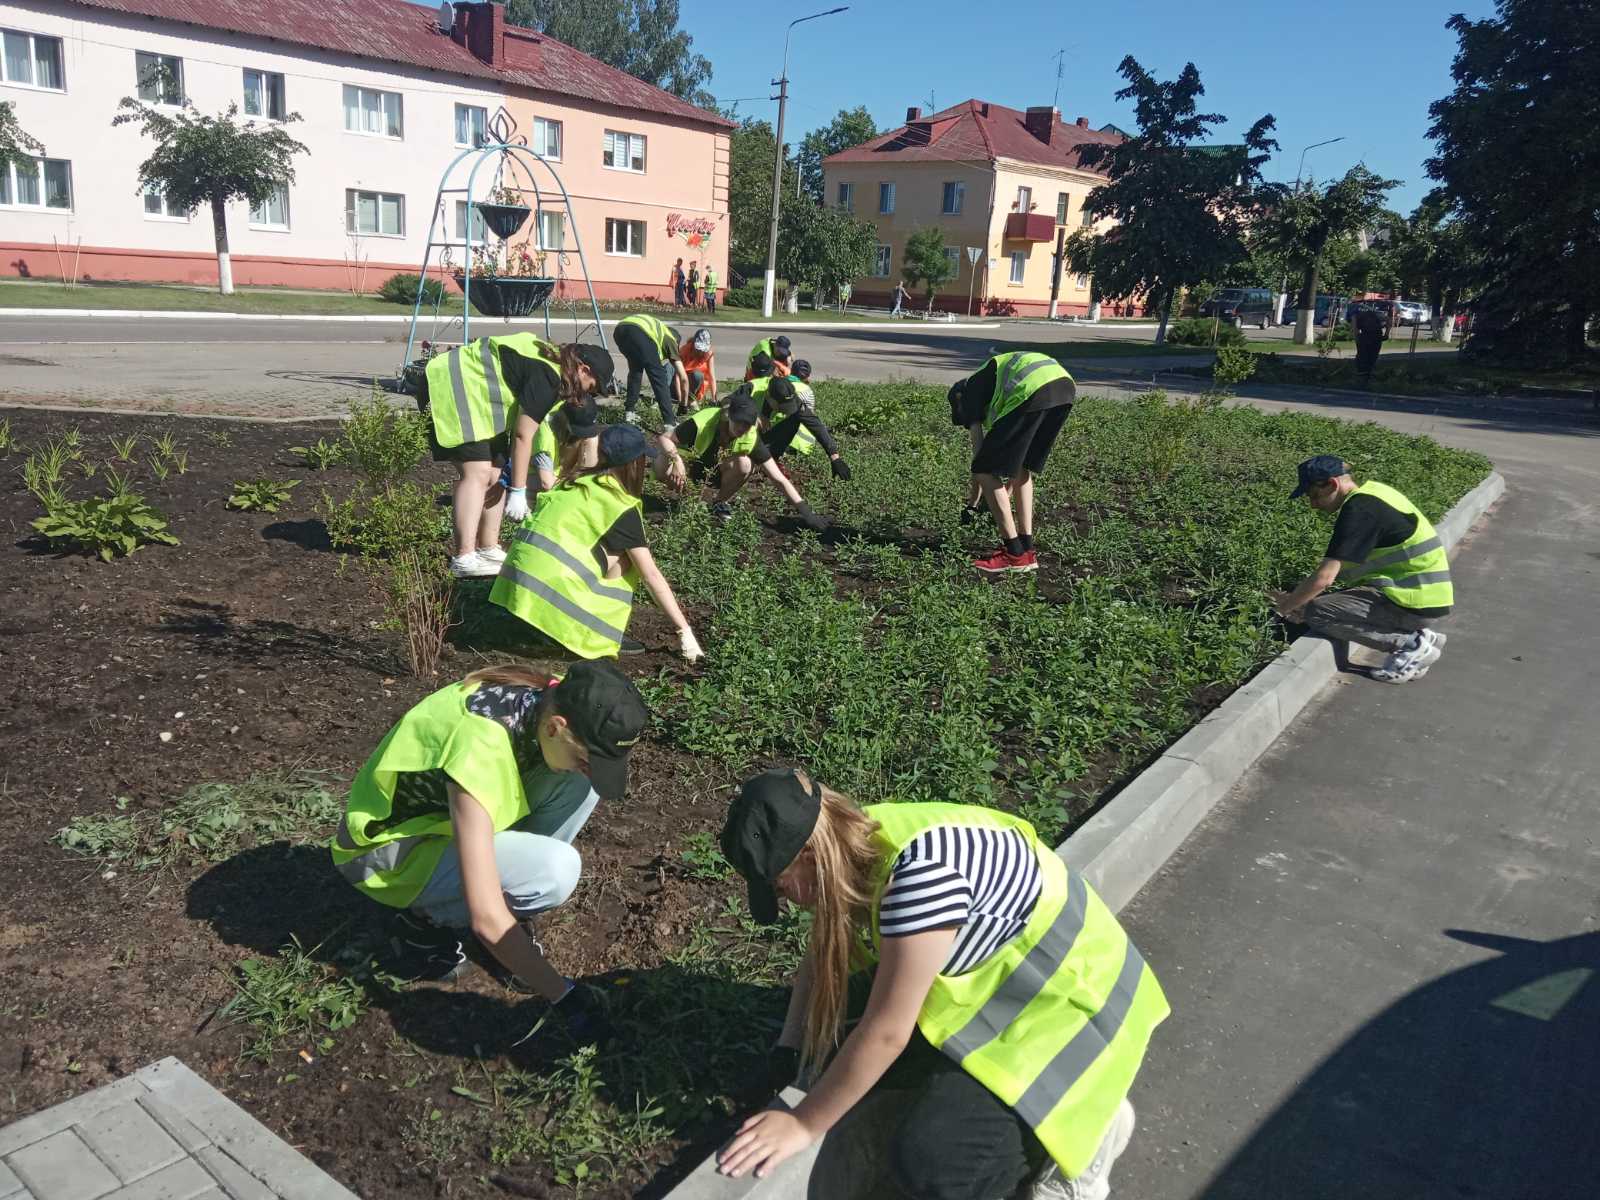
x=219, y=225
x=1166, y=316
x=1305, y=320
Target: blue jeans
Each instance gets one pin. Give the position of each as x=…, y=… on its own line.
x=537, y=862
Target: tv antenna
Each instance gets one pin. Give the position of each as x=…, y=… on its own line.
x=1061, y=57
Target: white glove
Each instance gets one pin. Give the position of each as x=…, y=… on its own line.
x=516, y=503
x=688, y=644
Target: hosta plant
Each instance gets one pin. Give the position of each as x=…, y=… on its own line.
x=105, y=525
x=262, y=495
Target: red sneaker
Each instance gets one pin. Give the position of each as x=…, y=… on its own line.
x=1002, y=562
x=1026, y=561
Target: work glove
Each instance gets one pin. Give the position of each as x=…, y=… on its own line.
x=783, y=1068
x=814, y=520
x=970, y=514
x=584, y=1014
x=841, y=469
x=516, y=503
x=689, y=645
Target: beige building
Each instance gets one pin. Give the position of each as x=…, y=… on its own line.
x=1003, y=182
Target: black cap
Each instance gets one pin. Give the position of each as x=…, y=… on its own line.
x=607, y=714
x=781, y=341
x=621, y=444
x=780, y=354
x=801, y=369
x=583, y=419
x=761, y=363
x=783, y=398
x=598, y=360
x=741, y=407
x=769, y=823
x=1318, y=470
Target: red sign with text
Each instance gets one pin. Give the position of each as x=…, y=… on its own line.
x=696, y=231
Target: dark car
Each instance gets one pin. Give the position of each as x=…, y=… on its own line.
x=1242, y=306
x=1325, y=305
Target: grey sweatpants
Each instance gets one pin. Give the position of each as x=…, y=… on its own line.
x=1366, y=616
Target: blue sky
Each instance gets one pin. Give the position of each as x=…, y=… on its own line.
x=1362, y=70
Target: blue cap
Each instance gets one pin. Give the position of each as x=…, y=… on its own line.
x=621, y=444
x=1318, y=470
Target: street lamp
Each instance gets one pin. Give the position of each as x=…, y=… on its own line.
x=1297, y=173
x=782, y=83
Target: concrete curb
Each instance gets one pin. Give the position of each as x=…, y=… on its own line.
x=1122, y=846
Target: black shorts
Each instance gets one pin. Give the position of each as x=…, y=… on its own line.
x=495, y=451
x=1023, y=439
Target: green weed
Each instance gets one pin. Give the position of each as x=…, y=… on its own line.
x=292, y=996
x=159, y=467
x=106, y=526
x=703, y=859
x=8, y=440
x=262, y=495
x=125, y=447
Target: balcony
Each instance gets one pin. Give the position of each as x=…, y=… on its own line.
x=1030, y=227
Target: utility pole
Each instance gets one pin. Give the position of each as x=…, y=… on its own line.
x=782, y=84
x=1055, y=270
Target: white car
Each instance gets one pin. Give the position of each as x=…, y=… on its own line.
x=1412, y=313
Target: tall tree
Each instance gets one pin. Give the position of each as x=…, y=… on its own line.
x=1433, y=257
x=1180, y=207
x=849, y=127
x=640, y=37
x=16, y=146
x=750, y=150
x=925, y=262
x=1518, y=162
x=1306, y=222
x=212, y=160
x=822, y=247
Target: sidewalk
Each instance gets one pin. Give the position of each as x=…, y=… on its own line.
x=1381, y=949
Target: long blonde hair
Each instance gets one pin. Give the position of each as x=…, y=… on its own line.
x=845, y=857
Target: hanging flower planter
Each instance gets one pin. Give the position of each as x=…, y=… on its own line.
x=507, y=295
x=504, y=219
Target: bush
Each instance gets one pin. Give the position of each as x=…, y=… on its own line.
x=383, y=443
x=746, y=295
x=1200, y=331
x=388, y=521
x=1234, y=365
x=998, y=306
x=107, y=526
x=401, y=288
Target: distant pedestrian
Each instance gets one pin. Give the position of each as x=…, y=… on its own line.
x=678, y=283
x=694, y=285
x=1389, y=554
x=711, y=290
x=900, y=298
x=1369, y=329
x=845, y=289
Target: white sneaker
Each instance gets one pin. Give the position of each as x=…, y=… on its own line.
x=473, y=566
x=1095, y=1182
x=492, y=554
x=1408, y=666
x=631, y=418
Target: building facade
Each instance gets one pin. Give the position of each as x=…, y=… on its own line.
x=386, y=98
x=1003, y=182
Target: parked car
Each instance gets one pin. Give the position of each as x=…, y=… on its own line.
x=1389, y=310
x=1241, y=306
x=1326, y=304
x=1412, y=313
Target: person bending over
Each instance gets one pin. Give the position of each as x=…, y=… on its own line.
x=558, y=425
x=789, y=420
x=700, y=369
x=650, y=347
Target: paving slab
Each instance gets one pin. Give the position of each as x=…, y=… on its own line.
x=162, y=1133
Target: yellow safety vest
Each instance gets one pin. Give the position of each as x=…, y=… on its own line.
x=1414, y=574
x=707, y=422
x=802, y=440
x=550, y=578
x=1056, y=1022
x=1018, y=375
x=657, y=330
x=468, y=399
x=392, y=860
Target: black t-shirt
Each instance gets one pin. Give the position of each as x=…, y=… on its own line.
x=687, y=431
x=626, y=533
x=1364, y=523
x=980, y=390
x=536, y=384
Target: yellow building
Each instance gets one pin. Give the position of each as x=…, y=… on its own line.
x=997, y=179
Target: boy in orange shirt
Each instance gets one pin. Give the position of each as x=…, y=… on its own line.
x=700, y=363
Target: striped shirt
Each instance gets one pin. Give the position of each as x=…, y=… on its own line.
x=983, y=882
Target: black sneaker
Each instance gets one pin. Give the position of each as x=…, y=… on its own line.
x=629, y=646
x=430, y=952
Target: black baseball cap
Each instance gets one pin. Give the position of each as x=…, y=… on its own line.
x=761, y=363
x=1318, y=470
x=780, y=354
x=583, y=419
x=783, y=396
x=598, y=360
x=801, y=369
x=621, y=444
x=769, y=823
x=781, y=341
x=608, y=715
x=741, y=407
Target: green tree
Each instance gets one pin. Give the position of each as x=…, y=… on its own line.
x=822, y=248
x=1180, y=207
x=925, y=261
x=1518, y=162
x=640, y=37
x=849, y=127
x=16, y=146
x=212, y=160
x=1433, y=257
x=1305, y=222
x=750, y=150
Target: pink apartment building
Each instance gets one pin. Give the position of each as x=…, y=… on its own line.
x=386, y=99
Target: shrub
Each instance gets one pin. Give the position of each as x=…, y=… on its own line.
x=264, y=495
x=419, y=602
x=387, y=521
x=1234, y=365
x=401, y=288
x=746, y=295
x=107, y=526
x=381, y=442
x=1204, y=331
x=999, y=306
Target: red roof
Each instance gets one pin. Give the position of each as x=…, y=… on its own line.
x=977, y=131
x=397, y=31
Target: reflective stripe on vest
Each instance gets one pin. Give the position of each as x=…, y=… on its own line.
x=655, y=329
x=1415, y=574
x=550, y=578
x=707, y=424
x=1056, y=1021
x=468, y=400
x=1017, y=377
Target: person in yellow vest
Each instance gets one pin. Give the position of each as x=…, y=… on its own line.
x=1008, y=1013
x=1394, y=565
x=471, y=396
x=556, y=420
x=726, y=447
x=464, y=816
x=789, y=418
x=574, y=563
x=1014, y=406
x=650, y=346
x=769, y=347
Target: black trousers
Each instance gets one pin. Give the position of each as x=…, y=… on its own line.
x=1367, y=347
x=643, y=359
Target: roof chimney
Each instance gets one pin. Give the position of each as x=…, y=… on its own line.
x=913, y=114
x=983, y=109
x=1083, y=122
x=1041, y=121
x=477, y=28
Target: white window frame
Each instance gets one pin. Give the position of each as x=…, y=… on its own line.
x=1063, y=207
x=847, y=196
x=33, y=39
x=139, y=73
x=608, y=145
x=952, y=255
x=269, y=226
x=352, y=212
x=13, y=189
x=885, y=198
x=472, y=134
x=263, y=90
x=165, y=213
x=952, y=189
x=384, y=96
x=1085, y=218
x=1019, y=268
x=1080, y=281
x=542, y=128
x=1024, y=198
x=459, y=226
x=559, y=219
x=615, y=223
x=882, y=260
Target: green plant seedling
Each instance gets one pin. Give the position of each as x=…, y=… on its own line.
x=166, y=445
x=263, y=495
x=219, y=437
x=125, y=447
x=8, y=440
x=320, y=455
x=703, y=859
x=160, y=467
x=107, y=526
x=180, y=462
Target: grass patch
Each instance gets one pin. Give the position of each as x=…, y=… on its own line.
x=145, y=297
x=295, y=997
